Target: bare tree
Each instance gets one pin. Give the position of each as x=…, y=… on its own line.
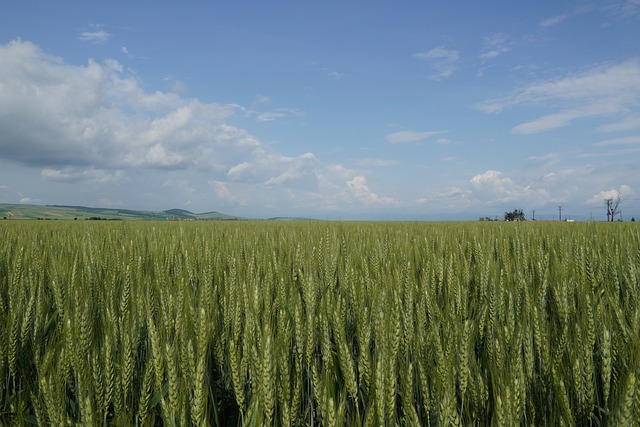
x=612, y=207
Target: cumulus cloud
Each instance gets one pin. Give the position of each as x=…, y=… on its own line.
x=601, y=91
x=443, y=61
x=496, y=188
x=58, y=115
x=623, y=192
x=358, y=185
x=96, y=123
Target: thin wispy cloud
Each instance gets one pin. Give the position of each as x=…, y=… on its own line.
x=335, y=75
x=600, y=91
x=407, y=136
x=558, y=19
x=126, y=52
x=370, y=162
x=328, y=72
x=96, y=36
x=258, y=110
x=260, y=100
x=442, y=61
x=553, y=20
x=494, y=46
x=624, y=8
x=625, y=140
x=269, y=116
x=628, y=123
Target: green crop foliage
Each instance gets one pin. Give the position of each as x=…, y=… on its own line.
x=319, y=323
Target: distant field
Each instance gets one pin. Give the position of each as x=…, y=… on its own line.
x=9, y=211
x=319, y=323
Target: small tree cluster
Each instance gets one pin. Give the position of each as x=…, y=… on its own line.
x=516, y=215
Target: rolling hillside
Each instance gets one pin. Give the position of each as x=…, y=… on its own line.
x=50, y=212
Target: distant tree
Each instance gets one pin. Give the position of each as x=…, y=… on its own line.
x=516, y=215
x=633, y=219
x=612, y=207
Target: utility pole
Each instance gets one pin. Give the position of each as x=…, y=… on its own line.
x=559, y=213
x=533, y=214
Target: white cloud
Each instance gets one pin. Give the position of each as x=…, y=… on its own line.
x=625, y=9
x=442, y=61
x=558, y=19
x=98, y=36
x=222, y=191
x=623, y=192
x=358, y=185
x=495, y=45
x=94, y=116
x=625, y=140
x=554, y=20
x=369, y=162
x=97, y=124
x=158, y=156
x=328, y=72
x=260, y=100
x=28, y=200
x=70, y=174
x=269, y=116
x=292, y=170
x=496, y=188
x=547, y=160
x=600, y=91
x=407, y=136
x=628, y=123
x=335, y=75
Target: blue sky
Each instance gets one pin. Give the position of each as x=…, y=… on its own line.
x=340, y=110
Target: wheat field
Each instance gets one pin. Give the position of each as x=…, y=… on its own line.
x=319, y=323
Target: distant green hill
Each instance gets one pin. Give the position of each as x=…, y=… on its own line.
x=49, y=212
